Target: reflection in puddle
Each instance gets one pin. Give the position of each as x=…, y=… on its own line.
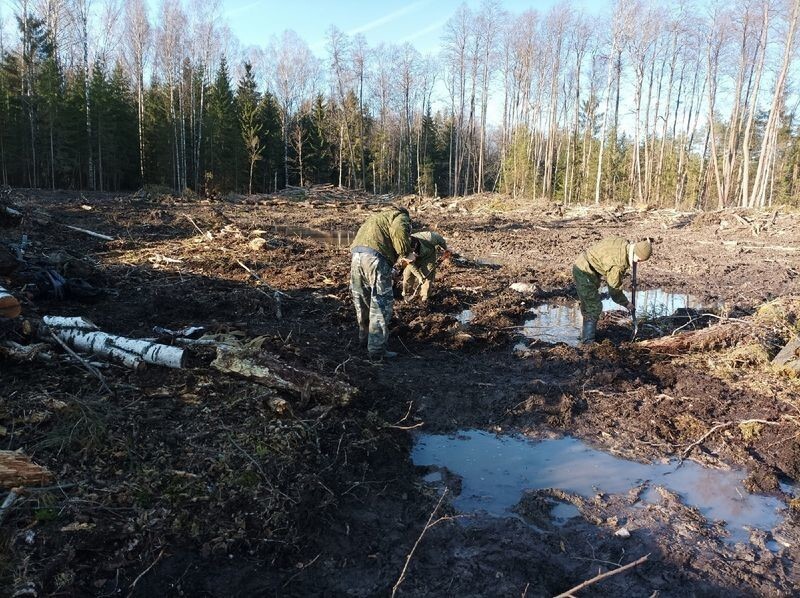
x=554, y=324
x=562, y=323
x=337, y=237
x=496, y=471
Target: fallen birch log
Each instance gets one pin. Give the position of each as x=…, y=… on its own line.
x=268, y=370
x=17, y=469
x=84, y=336
x=9, y=305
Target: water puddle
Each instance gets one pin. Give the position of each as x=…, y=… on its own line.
x=465, y=317
x=496, y=471
x=562, y=323
x=489, y=260
x=336, y=237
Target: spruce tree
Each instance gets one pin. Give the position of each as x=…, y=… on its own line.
x=250, y=123
x=222, y=134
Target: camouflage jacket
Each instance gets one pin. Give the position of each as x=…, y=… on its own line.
x=608, y=258
x=388, y=232
x=428, y=242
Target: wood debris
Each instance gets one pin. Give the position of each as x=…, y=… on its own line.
x=17, y=469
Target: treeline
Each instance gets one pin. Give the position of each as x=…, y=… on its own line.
x=659, y=104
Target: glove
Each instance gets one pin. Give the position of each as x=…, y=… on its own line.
x=629, y=306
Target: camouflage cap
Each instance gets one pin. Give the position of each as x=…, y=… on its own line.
x=643, y=249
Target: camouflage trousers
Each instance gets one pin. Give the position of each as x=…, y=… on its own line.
x=371, y=286
x=588, y=287
x=424, y=276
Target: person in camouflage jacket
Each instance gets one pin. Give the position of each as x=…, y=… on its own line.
x=423, y=269
x=611, y=259
x=383, y=239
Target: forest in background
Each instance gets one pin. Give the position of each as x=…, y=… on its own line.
x=691, y=105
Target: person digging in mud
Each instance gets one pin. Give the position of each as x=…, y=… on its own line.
x=611, y=259
x=423, y=269
x=383, y=239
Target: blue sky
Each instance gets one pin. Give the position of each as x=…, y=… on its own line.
x=419, y=22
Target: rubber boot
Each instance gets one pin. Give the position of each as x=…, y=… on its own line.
x=589, y=330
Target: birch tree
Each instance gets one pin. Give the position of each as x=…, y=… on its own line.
x=294, y=75
x=766, y=160
x=615, y=45
x=138, y=43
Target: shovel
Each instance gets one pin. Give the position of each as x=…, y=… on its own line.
x=633, y=303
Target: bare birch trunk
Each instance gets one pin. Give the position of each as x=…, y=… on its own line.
x=604, y=128
x=759, y=194
x=84, y=336
x=746, y=198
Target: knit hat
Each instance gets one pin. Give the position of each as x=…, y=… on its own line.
x=643, y=249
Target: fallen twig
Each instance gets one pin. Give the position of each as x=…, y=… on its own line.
x=722, y=426
x=143, y=573
x=430, y=523
x=302, y=567
x=603, y=576
x=204, y=233
x=86, y=365
x=396, y=425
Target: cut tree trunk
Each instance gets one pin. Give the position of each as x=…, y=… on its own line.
x=17, y=469
x=9, y=306
x=270, y=371
x=84, y=336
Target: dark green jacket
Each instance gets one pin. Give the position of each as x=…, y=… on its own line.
x=608, y=259
x=388, y=232
x=428, y=242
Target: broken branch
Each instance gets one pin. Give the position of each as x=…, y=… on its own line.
x=91, y=233
x=603, y=576
x=430, y=523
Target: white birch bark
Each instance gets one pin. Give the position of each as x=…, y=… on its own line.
x=84, y=336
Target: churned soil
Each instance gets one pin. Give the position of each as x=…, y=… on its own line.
x=187, y=482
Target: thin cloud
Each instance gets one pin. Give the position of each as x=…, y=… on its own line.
x=387, y=18
x=241, y=9
x=424, y=32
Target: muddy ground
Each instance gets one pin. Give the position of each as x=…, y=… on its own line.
x=186, y=482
